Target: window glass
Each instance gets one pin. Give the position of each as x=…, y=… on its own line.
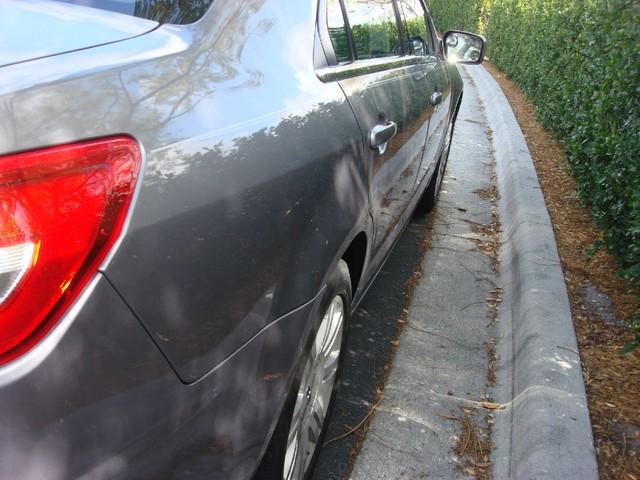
x=163, y=11
x=374, y=28
x=413, y=14
x=338, y=31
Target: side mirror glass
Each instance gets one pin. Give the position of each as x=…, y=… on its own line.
x=463, y=47
x=418, y=46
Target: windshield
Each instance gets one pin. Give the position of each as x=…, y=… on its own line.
x=163, y=11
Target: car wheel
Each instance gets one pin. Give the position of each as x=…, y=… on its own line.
x=430, y=195
x=300, y=432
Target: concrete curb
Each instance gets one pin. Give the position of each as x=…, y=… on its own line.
x=547, y=432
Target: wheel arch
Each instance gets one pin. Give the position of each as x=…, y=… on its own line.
x=355, y=256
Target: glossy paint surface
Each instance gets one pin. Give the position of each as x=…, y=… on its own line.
x=105, y=404
x=231, y=230
x=400, y=95
x=51, y=28
x=257, y=176
x=441, y=113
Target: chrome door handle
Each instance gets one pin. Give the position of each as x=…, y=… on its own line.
x=380, y=135
x=436, y=99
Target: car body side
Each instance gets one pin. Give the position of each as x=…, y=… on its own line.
x=256, y=183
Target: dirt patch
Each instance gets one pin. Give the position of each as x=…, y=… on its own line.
x=493, y=361
x=473, y=446
x=474, y=442
x=490, y=233
x=600, y=301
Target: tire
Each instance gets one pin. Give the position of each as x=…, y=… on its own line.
x=430, y=196
x=294, y=447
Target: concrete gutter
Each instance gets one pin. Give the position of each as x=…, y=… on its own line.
x=546, y=432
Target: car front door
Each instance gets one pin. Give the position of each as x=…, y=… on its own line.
x=436, y=84
x=383, y=81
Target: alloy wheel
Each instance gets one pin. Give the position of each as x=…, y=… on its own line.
x=315, y=392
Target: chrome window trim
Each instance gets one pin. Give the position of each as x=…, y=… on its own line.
x=364, y=67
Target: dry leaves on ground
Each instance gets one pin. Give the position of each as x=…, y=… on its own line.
x=599, y=302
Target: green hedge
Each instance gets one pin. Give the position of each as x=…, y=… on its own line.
x=457, y=14
x=579, y=62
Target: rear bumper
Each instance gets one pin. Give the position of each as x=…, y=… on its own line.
x=102, y=402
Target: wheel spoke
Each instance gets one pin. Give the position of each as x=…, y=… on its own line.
x=299, y=466
x=297, y=417
x=315, y=426
x=319, y=412
x=291, y=458
x=324, y=332
x=334, y=331
x=324, y=394
x=315, y=351
x=330, y=367
x=332, y=308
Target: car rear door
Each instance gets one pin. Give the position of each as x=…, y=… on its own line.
x=436, y=83
x=384, y=83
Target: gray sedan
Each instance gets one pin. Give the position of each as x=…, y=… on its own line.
x=194, y=197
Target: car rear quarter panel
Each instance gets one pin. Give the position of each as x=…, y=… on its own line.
x=103, y=403
x=252, y=181
x=238, y=223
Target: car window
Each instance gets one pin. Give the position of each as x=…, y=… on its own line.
x=338, y=31
x=163, y=11
x=374, y=28
x=414, y=17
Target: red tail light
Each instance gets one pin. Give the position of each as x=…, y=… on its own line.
x=61, y=210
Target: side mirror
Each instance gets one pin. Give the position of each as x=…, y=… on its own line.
x=418, y=46
x=463, y=47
